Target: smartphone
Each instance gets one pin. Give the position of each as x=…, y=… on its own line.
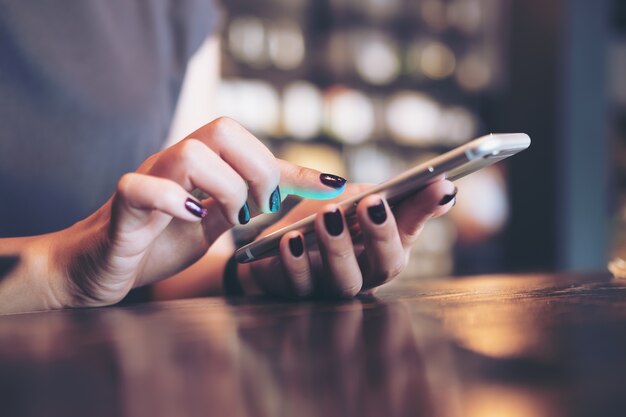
x=451, y=165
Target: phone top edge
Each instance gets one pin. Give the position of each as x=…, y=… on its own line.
x=485, y=145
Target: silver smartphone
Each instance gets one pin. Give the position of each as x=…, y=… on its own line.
x=452, y=165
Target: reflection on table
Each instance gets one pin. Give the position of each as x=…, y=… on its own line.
x=484, y=346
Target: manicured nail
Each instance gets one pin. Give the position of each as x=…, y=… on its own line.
x=333, y=222
x=296, y=246
x=377, y=213
x=244, y=214
x=448, y=197
x=194, y=207
x=275, y=200
x=333, y=181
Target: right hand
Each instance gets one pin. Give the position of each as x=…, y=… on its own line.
x=152, y=227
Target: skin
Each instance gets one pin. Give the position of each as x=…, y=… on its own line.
x=341, y=268
x=144, y=233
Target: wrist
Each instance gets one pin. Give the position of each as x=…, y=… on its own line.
x=73, y=255
x=26, y=285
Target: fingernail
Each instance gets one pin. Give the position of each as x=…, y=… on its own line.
x=194, y=207
x=332, y=180
x=244, y=214
x=333, y=222
x=296, y=246
x=377, y=213
x=275, y=200
x=448, y=197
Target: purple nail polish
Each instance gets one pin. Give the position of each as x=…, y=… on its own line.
x=194, y=207
x=333, y=181
x=296, y=246
x=333, y=221
x=377, y=213
x=448, y=197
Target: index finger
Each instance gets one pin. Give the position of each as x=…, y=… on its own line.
x=308, y=182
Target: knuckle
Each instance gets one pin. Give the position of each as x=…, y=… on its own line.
x=268, y=173
x=342, y=254
x=125, y=184
x=223, y=125
x=187, y=152
x=301, y=174
x=235, y=195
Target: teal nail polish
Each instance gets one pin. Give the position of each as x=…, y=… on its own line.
x=244, y=214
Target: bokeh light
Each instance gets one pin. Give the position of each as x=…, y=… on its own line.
x=286, y=45
x=350, y=115
x=377, y=57
x=302, y=110
x=413, y=118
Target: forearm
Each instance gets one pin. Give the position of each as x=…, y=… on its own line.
x=25, y=277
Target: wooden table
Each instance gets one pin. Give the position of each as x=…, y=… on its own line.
x=513, y=346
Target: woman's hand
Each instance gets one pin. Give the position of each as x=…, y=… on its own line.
x=339, y=267
x=153, y=226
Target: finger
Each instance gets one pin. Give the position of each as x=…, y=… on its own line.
x=247, y=156
x=384, y=254
x=296, y=263
x=138, y=196
x=193, y=165
x=343, y=276
x=309, y=183
x=413, y=213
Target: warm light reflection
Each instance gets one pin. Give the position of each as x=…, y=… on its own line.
x=501, y=401
x=497, y=330
x=302, y=110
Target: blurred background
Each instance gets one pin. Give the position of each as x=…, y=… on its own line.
x=368, y=88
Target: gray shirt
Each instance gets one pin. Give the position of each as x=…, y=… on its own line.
x=87, y=92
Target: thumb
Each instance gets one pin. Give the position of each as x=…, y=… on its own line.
x=309, y=183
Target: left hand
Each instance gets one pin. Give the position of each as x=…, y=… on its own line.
x=340, y=268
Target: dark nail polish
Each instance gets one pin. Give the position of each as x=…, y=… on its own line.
x=332, y=180
x=296, y=246
x=448, y=197
x=275, y=200
x=377, y=213
x=194, y=207
x=244, y=214
x=333, y=221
